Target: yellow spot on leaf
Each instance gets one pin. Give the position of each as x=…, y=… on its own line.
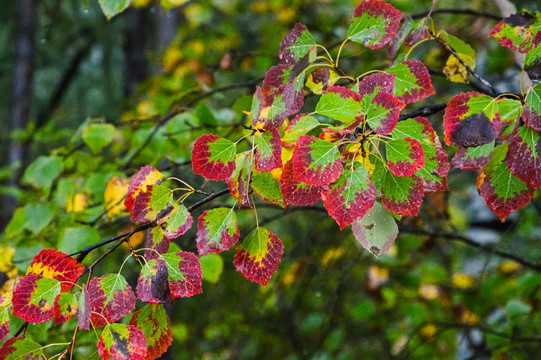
x=428, y=331
x=77, y=203
x=455, y=71
x=468, y=317
x=292, y=273
x=510, y=266
x=331, y=255
x=7, y=267
x=463, y=281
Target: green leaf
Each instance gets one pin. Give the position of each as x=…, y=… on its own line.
x=120, y=341
x=113, y=7
x=42, y=172
x=340, y=104
x=38, y=215
x=98, y=136
x=300, y=125
x=212, y=266
x=377, y=230
x=19, y=348
x=153, y=322
x=267, y=187
x=217, y=231
x=76, y=238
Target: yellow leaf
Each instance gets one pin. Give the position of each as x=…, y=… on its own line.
x=115, y=193
x=510, y=267
x=455, y=71
x=463, y=281
x=9, y=270
x=331, y=256
x=135, y=240
x=317, y=80
x=292, y=273
x=141, y=3
x=468, y=317
x=77, y=203
x=428, y=331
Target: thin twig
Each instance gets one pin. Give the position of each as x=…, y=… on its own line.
x=458, y=11
x=424, y=111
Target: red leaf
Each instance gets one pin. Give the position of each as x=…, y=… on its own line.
x=239, y=182
x=316, y=162
x=153, y=322
x=111, y=298
x=412, y=82
x=217, y=231
x=269, y=150
x=54, y=264
x=295, y=192
x=174, y=221
x=34, y=297
x=258, y=256
x=472, y=158
x=350, y=197
x=147, y=175
x=213, y=157
x=156, y=241
x=150, y=203
x=65, y=307
x=402, y=195
x=380, y=9
x=296, y=45
x=153, y=283
x=122, y=342
x=185, y=274
x=411, y=159
x=382, y=81
x=83, y=310
x=524, y=157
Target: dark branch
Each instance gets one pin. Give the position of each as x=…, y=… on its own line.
x=458, y=11
x=424, y=111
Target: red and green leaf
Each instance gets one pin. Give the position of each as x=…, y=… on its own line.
x=65, y=307
x=175, y=220
x=473, y=158
x=300, y=125
x=217, y=231
x=153, y=322
x=471, y=119
x=519, y=31
x=382, y=111
x=258, y=256
x=532, y=62
x=122, y=342
x=268, y=188
x=402, y=195
x=156, y=243
x=18, y=348
x=34, y=298
x=147, y=175
x=213, y=157
x=510, y=110
x=184, y=274
x=239, y=182
x=503, y=192
x=297, y=44
x=269, y=150
x=111, y=298
x=524, y=157
x=376, y=231
x=153, y=283
x=54, y=264
x=532, y=109
x=412, y=82
x=382, y=82
x=150, y=203
x=350, y=197
x=340, y=103
x=316, y=162
x=84, y=310
x=296, y=192
x=4, y=321
x=375, y=23
x=405, y=156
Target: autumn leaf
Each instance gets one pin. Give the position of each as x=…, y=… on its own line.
x=120, y=341
x=53, y=264
x=34, y=298
x=217, y=231
x=296, y=192
x=115, y=192
x=153, y=322
x=174, y=220
x=213, y=157
x=147, y=175
x=111, y=298
x=412, y=81
x=316, y=162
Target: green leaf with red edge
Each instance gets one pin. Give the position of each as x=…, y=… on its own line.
x=65, y=307
x=84, y=309
x=302, y=124
x=378, y=83
x=147, y=175
x=239, y=182
x=155, y=243
x=374, y=24
x=412, y=81
x=471, y=119
x=297, y=44
x=337, y=132
x=532, y=109
x=122, y=342
x=217, y=231
x=510, y=110
x=150, y=203
x=340, y=103
x=5, y=304
x=18, y=348
x=402, y=195
x=153, y=283
x=184, y=274
x=269, y=150
x=436, y=165
x=532, y=62
x=297, y=192
x=503, y=192
x=473, y=158
x=258, y=256
x=351, y=196
x=213, y=157
x=153, y=322
x=382, y=111
x=316, y=162
x=34, y=297
x=524, y=157
x=111, y=298
x=404, y=156
x=54, y=264
x=376, y=231
x=267, y=188
x=174, y=221
x=519, y=31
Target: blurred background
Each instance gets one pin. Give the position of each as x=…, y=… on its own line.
x=442, y=290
